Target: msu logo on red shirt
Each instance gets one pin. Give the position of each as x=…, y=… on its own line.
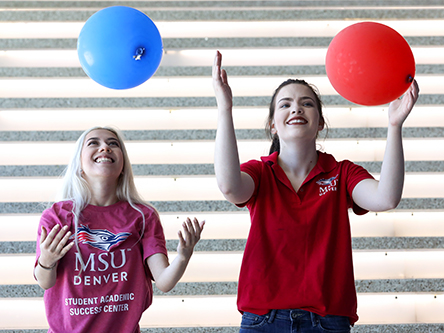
x=100, y=238
x=327, y=185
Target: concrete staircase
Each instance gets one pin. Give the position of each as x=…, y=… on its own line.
x=169, y=122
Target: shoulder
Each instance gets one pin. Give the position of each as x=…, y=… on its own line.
x=349, y=172
x=129, y=210
x=265, y=161
x=148, y=210
x=59, y=208
x=251, y=163
x=59, y=212
x=329, y=162
x=351, y=167
x=145, y=207
x=257, y=169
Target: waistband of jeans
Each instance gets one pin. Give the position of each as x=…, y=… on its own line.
x=291, y=313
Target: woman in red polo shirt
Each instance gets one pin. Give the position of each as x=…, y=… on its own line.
x=297, y=269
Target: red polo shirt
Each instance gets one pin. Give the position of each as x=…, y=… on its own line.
x=299, y=253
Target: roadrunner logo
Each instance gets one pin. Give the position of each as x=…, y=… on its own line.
x=100, y=238
x=327, y=185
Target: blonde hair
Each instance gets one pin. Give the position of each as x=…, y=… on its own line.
x=76, y=189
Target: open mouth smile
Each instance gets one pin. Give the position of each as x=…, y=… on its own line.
x=102, y=159
x=297, y=121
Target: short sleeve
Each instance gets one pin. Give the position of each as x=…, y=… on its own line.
x=253, y=169
x=153, y=240
x=356, y=174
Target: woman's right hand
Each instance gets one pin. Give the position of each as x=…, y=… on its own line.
x=224, y=96
x=53, y=245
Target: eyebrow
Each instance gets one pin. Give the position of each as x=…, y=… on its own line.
x=290, y=99
x=285, y=99
x=108, y=139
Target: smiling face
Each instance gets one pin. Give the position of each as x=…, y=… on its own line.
x=101, y=155
x=296, y=113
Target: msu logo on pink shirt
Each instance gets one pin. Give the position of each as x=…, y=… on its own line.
x=100, y=238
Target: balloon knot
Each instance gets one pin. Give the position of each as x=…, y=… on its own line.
x=139, y=53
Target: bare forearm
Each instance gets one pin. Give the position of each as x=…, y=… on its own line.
x=172, y=274
x=391, y=180
x=226, y=159
x=386, y=194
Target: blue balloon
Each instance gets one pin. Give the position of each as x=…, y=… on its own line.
x=119, y=47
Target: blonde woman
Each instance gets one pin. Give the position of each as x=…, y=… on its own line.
x=101, y=246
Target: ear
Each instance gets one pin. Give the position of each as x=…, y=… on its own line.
x=273, y=129
x=321, y=124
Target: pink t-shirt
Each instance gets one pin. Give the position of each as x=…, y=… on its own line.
x=298, y=253
x=115, y=288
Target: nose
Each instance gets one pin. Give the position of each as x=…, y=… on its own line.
x=105, y=148
x=298, y=110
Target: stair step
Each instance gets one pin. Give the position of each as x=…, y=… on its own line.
x=235, y=14
x=230, y=288
x=9, y=72
x=189, y=169
x=376, y=308
x=219, y=4
x=171, y=102
x=202, y=43
x=196, y=135
x=412, y=204
x=216, y=266
x=360, y=243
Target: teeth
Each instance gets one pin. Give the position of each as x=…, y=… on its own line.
x=297, y=121
x=103, y=159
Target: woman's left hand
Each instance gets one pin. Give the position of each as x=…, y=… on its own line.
x=189, y=237
x=400, y=108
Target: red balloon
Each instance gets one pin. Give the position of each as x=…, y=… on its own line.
x=369, y=63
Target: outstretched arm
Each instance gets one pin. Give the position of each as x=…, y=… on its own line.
x=165, y=275
x=236, y=186
x=386, y=193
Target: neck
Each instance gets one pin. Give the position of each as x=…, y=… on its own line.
x=103, y=193
x=298, y=159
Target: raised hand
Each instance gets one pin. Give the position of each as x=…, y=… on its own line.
x=189, y=237
x=400, y=109
x=53, y=246
x=222, y=90
x=166, y=275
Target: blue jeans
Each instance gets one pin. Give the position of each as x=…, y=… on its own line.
x=293, y=321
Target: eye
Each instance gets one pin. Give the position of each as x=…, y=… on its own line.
x=92, y=142
x=309, y=104
x=283, y=106
x=114, y=143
